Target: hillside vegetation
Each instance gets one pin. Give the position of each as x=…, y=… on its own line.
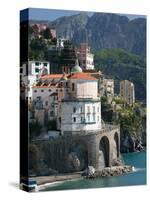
x=120, y=65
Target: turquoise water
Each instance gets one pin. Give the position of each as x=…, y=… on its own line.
x=138, y=160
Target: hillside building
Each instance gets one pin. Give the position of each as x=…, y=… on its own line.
x=81, y=110
x=85, y=57
x=39, y=28
x=108, y=86
x=70, y=99
x=30, y=72
x=127, y=91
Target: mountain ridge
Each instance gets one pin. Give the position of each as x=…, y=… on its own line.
x=104, y=31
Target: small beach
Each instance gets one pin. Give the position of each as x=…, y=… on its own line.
x=44, y=181
x=137, y=177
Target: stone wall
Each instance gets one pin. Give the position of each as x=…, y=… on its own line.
x=76, y=152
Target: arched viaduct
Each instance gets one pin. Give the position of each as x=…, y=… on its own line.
x=100, y=148
x=82, y=149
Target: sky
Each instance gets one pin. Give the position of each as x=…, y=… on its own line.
x=51, y=14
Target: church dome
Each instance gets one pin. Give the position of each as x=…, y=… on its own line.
x=76, y=68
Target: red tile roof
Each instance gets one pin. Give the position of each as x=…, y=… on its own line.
x=82, y=76
x=52, y=76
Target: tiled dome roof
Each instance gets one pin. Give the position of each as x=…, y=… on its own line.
x=76, y=68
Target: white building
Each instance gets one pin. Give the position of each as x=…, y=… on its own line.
x=30, y=73
x=85, y=57
x=80, y=115
x=60, y=43
x=71, y=99
x=81, y=107
x=48, y=98
x=127, y=91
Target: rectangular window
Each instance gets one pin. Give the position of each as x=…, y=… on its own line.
x=88, y=116
x=97, y=109
x=88, y=109
x=74, y=109
x=66, y=84
x=74, y=119
x=45, y=64
x=73, y=86
x=46, y=103
x=36, y=70
x=93, y=109
x=94, y=117
x=37, y=63
x=39, y=98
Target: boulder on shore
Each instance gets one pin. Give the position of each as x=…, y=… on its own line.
x=112, y=171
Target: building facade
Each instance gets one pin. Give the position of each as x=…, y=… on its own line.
x=108, y=86
x=39, y=28
x=86, y=58
x=127, y=91
x=30, y=73
x=70, y=99
x=81, y=107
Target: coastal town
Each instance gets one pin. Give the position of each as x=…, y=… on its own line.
x=65, y=104
x=48, y=93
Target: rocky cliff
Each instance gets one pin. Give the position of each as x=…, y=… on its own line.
x=104, y=31
x=132, y=122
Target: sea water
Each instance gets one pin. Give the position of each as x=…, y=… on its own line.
x=138, y=177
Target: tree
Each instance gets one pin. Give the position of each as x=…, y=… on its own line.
x=47, y=33
x=51, y=125
x=120, y=64
x=68, y=55
x=34, y=129
x=34, y=157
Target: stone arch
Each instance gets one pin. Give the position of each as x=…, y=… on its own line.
x=104, y=151
x=78, y=156
x=116, y=139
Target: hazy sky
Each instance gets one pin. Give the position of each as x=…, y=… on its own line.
x=50, y=14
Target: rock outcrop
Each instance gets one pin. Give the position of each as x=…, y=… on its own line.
x=104, y=31
x=111, y=171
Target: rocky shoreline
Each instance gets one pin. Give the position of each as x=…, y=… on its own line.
x=47, y=181
x=111, y=171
